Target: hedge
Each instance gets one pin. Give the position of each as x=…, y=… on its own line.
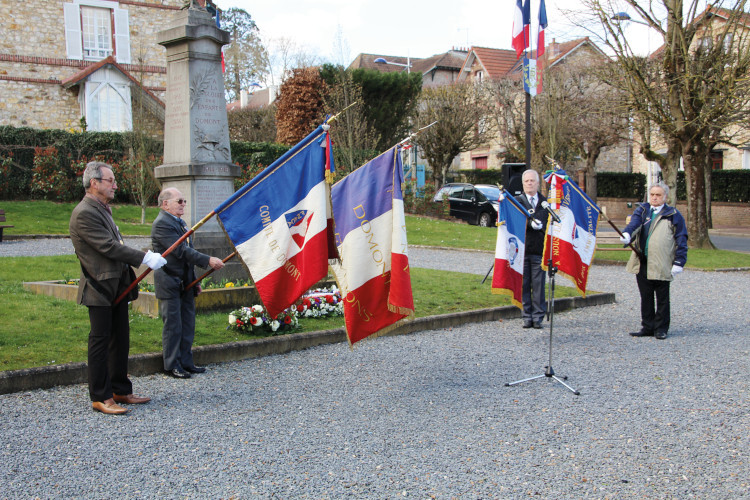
x=620, y=185
x=726, y=185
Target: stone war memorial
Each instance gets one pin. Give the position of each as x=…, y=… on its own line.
x=197, y=157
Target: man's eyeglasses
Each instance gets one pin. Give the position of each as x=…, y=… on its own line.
x=181, y=201
x=111, y=181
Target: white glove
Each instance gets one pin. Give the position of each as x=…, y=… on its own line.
x=625, y=238
x=676, y=270
x=153, y=260
x=536, y=224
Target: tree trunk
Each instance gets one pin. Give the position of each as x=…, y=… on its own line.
x=709, y=172
x=694, y=158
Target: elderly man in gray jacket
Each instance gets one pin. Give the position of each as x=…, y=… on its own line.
x=177, y=305
x=659, y=232
x=105, y=274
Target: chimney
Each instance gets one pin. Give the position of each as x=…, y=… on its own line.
x=554, y=48
x=243, y=99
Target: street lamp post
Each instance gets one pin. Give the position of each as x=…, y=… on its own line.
x=381, y=60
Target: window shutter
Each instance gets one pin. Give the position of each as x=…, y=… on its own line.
x=122, y=36
x=73, y=40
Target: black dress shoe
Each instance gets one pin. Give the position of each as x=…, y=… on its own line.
x=178, y=373
x=537, y=325
x=642, y=333
x=195, y=369
x=660, y=335
x=527, y=324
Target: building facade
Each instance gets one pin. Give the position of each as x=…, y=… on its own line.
x=70, y=64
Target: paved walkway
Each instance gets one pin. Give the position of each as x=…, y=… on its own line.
x=427, y=414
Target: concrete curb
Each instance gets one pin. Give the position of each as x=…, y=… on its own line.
x=150, y=363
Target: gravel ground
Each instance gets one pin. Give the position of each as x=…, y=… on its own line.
x=425, y=415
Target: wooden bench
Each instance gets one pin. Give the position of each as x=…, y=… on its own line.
x=3, y=226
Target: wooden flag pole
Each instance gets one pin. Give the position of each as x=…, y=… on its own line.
x=637, y=252
x=225, y=259
x=164, y=254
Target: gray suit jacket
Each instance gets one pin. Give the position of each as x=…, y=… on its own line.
x=179, y=268
x=103, y=255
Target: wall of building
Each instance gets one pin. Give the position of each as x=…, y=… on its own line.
x=33, y=59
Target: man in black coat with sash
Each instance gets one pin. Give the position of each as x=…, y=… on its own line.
x=177, y=305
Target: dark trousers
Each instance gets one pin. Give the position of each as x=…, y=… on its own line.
x=109, y=344
x=534, y=303
x=178, y=315
x=653, y=320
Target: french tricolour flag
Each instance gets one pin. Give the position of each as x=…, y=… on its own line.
x=373, y=276
x=507, y=277
x=573, y=240
x=278, y=223
x=521, y=25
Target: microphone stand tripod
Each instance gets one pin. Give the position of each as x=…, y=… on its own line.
x=549, y=372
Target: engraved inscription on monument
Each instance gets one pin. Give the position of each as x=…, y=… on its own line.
x=210, y=133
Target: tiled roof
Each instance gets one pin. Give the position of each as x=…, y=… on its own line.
x=367, y=61
x=453, y=59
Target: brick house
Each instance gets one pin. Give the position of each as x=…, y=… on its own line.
x=64, y=60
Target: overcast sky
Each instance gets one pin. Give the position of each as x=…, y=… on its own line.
x=415, y=28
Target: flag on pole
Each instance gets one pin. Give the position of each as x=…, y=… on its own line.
x=521, y=25
x=280, y=221
x=572, y=241
x=555, y=178
x=373, y=276
x=540, y=45
x=542, y=26
x=507, y=276
x=530, y=76
x=218, y=25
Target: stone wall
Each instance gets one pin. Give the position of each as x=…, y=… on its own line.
x=33, y=59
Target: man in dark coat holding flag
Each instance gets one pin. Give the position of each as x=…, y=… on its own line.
x=534, y=303
x=177, y=305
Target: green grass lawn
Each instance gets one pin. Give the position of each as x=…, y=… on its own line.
x=47, y=217
x=37, y=330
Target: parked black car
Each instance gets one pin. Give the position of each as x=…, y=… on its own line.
x=476, y=204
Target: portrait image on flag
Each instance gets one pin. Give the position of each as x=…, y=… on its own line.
x=370, y=227
x=279, y=223
x=507, y=276
x=572, y=241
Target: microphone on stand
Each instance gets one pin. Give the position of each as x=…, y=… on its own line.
x=546, y=206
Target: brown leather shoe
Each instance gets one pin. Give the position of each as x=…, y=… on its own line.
x=131, y=399
x=109, y=407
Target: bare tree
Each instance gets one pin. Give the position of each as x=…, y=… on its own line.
x=460, y=111
x=696, y=86
x=253, y=124
x=354, y=140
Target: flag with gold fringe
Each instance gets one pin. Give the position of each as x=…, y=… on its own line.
x=572, y=241
x=368, y=210
x=507, y=277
